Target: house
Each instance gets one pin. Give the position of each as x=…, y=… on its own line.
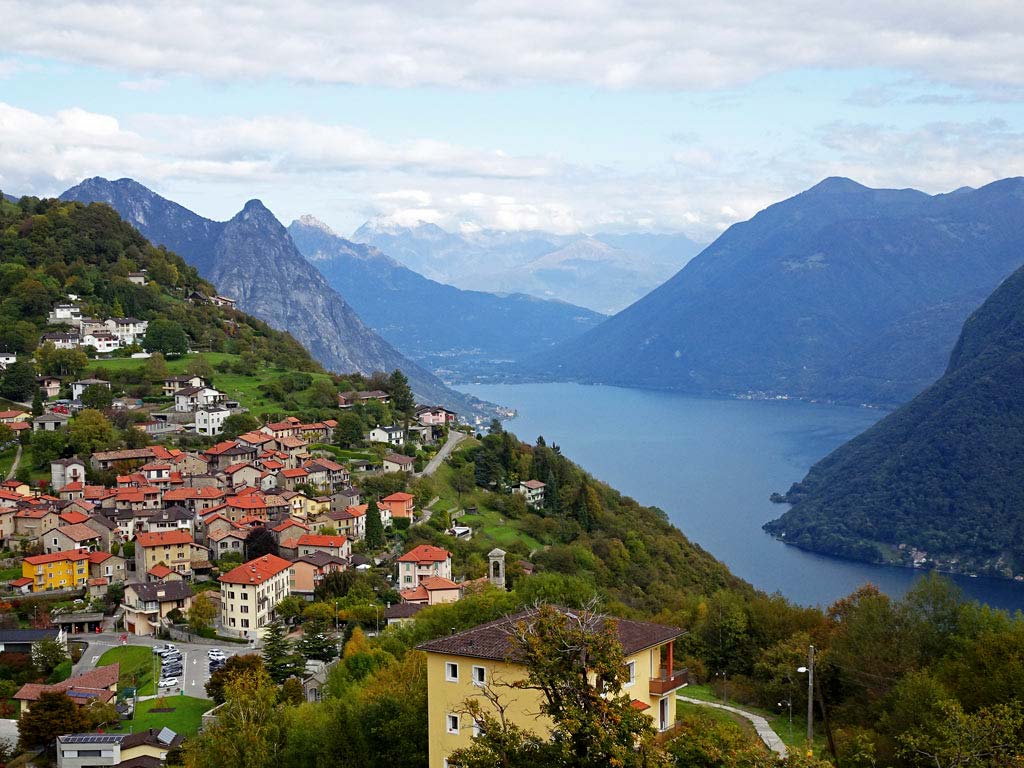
x=221, y=542
x=432, y=590
x=103, y=565
x=191, y=398
x=243, y=473
x=78, y=387
x=421, y=562
x=210, y=419
x=435, y=416
x=50, y=386
x=71, y=537
x=103, y=342
x=533, y=490
x=146, y=605
x=172, y=518
x=11, y=417
x=174, y=383
x=396, y=462
x=222, y=301
x=289, y=479
x=22, y=640
x=307, y=571
x=142, y=749
x=104, y=460
x=60, y=570
x=33, y=522
x=349, y=399
x=127, y=330
x=251, y=592
x=398, y=505
x=65, y=314
x=7, y=358
x=389, y=435
x=175, y=549
x=97, y=684
x=336, y=475
x=338, y=546
x=50, y=422
x=62, y=340
x=400, y=613
x=66, y=471
x=137, y=278
x=458, y=664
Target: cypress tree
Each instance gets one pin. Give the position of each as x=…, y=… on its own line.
x=37, y=402
x=374, y=526
x=551, y=493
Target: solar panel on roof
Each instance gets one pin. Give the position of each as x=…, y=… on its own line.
x=92, y=738
x=81, y=694
x=166, y=736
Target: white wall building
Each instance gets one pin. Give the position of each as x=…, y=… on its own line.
x=249, y=594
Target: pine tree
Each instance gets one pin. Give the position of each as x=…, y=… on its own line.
x=402, y=399
x=316, y=643
x=374, y=526
x=37, y=402
x=278, y=655
x=551, y=493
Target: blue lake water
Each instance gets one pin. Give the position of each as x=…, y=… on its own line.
x=711, y=465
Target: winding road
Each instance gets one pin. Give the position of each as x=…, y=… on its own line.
x=454, y=438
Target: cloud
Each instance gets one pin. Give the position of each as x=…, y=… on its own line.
x=605, y=43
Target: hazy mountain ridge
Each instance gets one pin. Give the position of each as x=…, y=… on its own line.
x=944, y=474
x=465, y=334
x=543, y=264
x=252, y=259
x=840, y=293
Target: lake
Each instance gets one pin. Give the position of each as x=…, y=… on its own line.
x=711, y=465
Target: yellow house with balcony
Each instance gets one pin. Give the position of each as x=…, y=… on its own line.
x=459, y=665
x=59, y=570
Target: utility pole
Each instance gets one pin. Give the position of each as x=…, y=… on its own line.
x=810, y=696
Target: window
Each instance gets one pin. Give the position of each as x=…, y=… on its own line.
x=631, y=672
x=245, y=622
x=479, y=675
x=451, y=672
x=452, y=722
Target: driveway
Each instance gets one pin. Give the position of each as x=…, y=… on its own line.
x=454, y=438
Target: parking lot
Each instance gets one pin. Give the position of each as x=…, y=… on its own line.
x=194, y=660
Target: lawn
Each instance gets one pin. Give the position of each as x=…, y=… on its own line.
x=6, y=460
x=244, y=389
x=778, y=719
x=138, y=665
x=496, y=529
x=683, y=709
x=185, y=719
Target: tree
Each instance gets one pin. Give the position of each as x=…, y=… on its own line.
x=463, y=479
x=166, y=337
x=61, y=362
x=18, y=381
x=90, y=431
x=349, y=431
x=278, y=656
x=202, y=613
x=592, y=725
x=238, y=424
x=988, y=737
x=97, y=397
x=37, y=402
x=247, y=732
x=47, y=655
x=403, y=402
x=155, y=369
x=6, y=435
x=374, y=527
x=317, y=643
x=290, y=608
x=551, y=493
x=260, y=542
x=234, y=667
x=199, y=366
x=47, y=446
x=52, y=715
x=291, y=692
x=323, y=394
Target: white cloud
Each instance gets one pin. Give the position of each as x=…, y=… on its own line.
x=607, y=43
x=345, y=175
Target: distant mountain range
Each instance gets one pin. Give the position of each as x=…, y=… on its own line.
x=943, y=476
x=252, y=259
x=605, y=272
x=840, y=293
x=463, y=334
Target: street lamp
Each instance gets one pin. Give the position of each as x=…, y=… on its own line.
x=725, y=685
x=809, y=669
x=788, y=703
x=376, y=615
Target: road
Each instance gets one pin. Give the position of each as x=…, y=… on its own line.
x=454, y=438
x=14, y=466
x=195, y=660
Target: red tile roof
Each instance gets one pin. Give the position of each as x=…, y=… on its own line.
x=55, y=557
x=425, y=553
x=163, y=538
x=78, y=532
x=98, y=679
x=73, y=517
x=400, y=496
x=160, y=571
x=315, y=540
x=256, y=571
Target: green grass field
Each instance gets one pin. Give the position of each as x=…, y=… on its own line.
x=684, y=708
x=185, y=719
x=244, y=389
x=6, y=460
x=778, y=719
x=138, y=665
x=497, y=530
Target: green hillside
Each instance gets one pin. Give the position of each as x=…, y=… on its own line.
x=943, y=475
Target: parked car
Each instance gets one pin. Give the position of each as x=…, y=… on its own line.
x=216, y=653
x=162, y=649
x=169, y=682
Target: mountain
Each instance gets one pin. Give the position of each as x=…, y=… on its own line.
x=463, y=333
x=604, y=272
x=944, y=474
x=841, y=293
x=252, y=259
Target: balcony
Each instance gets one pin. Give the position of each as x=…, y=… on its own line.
x=667, y=683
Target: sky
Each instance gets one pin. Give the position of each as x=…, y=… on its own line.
x=570, y=117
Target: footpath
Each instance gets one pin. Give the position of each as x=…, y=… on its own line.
x=764, y=731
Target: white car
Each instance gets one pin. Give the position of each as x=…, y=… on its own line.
x=160, y=650
x=170, y=682
x=216, y=653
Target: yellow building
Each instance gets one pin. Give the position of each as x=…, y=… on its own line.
x=458, y=665
x=60, y=570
